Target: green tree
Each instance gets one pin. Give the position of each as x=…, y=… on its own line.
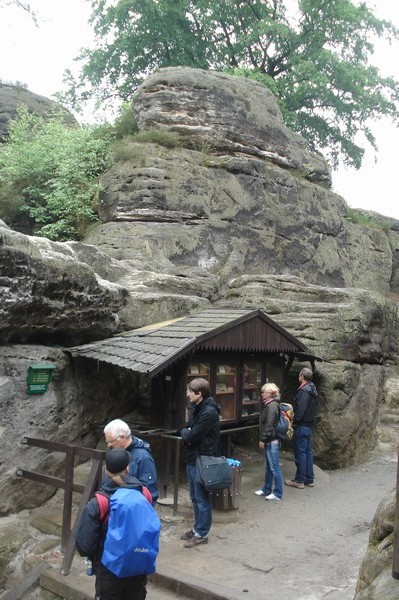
x=49, y=176
x=315, y=57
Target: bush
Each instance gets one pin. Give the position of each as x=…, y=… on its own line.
x=52, y=170
x=125, y=124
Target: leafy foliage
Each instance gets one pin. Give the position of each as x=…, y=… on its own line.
x=49, y=176
x=315, y=59
x=361, y=217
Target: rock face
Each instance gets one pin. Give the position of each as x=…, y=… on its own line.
x=231, y=114
x=71, y=412
x=375, y=575
x=13, y=96
x=48, y=294
x=230, y=210
x=240, y=214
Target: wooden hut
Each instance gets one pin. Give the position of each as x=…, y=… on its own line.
x=237, y=350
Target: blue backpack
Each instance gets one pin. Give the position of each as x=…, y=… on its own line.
x=131, y=543
x=284, y=430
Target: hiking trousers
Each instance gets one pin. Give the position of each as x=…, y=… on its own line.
x=110, y=587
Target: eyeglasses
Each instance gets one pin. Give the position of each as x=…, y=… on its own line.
x=113, y=441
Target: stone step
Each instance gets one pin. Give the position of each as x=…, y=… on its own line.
x=160, y=586
x=71, y=587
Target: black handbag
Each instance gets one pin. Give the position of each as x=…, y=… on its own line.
x=214, y=472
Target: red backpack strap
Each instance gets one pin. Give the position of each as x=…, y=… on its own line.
x=147, y=494
x=103, y=505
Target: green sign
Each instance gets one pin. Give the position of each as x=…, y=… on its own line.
x=39, y=376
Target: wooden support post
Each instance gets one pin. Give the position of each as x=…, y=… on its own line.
x=91, y=486
x=67, y=512
x=176, y=476
x=395, y=565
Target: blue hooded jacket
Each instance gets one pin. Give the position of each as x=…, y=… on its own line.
x=142, y=465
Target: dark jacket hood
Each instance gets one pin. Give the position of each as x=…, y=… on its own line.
x=108, y=486
x=310, y=388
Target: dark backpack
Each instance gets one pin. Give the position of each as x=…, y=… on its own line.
x=131, y=543
x=284, y=430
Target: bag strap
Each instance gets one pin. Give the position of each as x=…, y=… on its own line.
x=103, y=505
x=147, y=494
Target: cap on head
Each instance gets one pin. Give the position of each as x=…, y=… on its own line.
x=116, y=460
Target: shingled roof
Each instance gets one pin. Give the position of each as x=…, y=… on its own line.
x=153, y=348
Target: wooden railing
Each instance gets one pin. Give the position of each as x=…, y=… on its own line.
x=93, y=482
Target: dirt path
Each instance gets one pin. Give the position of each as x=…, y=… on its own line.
x=307, y=547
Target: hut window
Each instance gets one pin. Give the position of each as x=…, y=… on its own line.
x=225, y=389
x=251, y=384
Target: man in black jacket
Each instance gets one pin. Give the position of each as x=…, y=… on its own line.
x=200, y=436
x=305, y=406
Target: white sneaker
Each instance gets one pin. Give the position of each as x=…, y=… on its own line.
x=272, y=497
x=259, y=493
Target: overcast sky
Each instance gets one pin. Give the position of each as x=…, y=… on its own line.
x=38, y=56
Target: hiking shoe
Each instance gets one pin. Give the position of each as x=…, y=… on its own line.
x=272, y=497
x=309, y=483
x=259, y=493
x=196, y=541
x=295, y=484
x=188, y=535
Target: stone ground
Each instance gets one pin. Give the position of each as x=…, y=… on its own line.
x=307, y=547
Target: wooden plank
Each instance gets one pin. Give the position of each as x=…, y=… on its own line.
x=29, y=579
x=47, y=479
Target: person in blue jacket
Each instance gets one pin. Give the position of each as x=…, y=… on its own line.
x=305, y=407
x=142, y=465
x=91, y=531
x=201, y=436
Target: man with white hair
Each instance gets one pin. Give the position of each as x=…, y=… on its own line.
x=142, y=466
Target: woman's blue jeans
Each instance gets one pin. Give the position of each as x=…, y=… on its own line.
x=303, y=454
x=201, y=503
x=273, y=471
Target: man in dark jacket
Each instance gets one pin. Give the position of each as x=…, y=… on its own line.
x=200, y=436
x=305, y=406
x=90, y=533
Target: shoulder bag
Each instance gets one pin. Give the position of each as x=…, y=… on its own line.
x=214, y=472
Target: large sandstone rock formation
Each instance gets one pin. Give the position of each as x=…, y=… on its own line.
x=231, y=114
x=48, y=294
x=231, y=211
x=14, y=96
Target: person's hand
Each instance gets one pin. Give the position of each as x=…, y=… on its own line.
x=261, y=445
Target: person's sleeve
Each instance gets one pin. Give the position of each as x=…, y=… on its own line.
x=88, y=531
x=200, y=428
x=267, y=429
